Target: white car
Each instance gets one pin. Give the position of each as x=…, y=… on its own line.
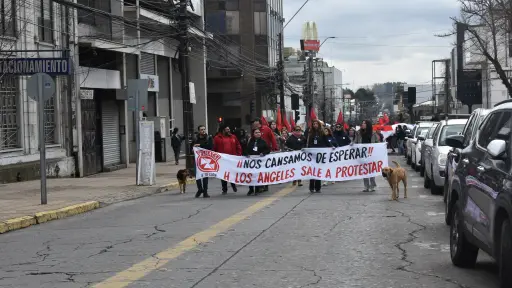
x=420, y=128
x=426, y=148
x=435, y=161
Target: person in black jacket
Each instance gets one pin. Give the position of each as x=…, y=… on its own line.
x=205, y=141
x=256, y=146
x=296, y=141
x=316, y=139
x=341, y=136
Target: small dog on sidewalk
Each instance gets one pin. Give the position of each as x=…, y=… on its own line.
x=182, y=177
x=395, y=176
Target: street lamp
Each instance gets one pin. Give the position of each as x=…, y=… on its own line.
x=325, y=40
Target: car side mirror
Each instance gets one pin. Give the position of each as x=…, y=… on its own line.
x=455, y=141
x=497, y=148
x=421, y=138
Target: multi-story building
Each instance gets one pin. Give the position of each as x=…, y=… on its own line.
x=328, y=90
x=34, y=33
x=295, y=71
x=89, y=126
x=242, y=58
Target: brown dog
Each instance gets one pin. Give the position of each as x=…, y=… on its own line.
x=394, y=176
x=182, y=176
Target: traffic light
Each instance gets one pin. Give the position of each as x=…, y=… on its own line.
x=297, y=115
x=295, y=101
x=251, y=107
x=219, y=120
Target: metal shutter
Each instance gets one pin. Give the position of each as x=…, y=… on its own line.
x=110, y=129
x=147, y=63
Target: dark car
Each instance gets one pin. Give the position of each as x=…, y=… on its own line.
x=479, y=203
x=469, y=132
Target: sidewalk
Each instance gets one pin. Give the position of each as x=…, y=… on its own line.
x=23, y=198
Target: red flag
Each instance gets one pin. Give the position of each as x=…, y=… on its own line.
x=386, y=118
x=286, y=124
x=340, y=118
x=292, y=121
x=312, y=116
x=264, y=121
x=279, y=119
x=346, y=126
x=381, y=121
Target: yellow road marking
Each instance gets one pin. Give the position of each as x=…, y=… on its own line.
x=142, y=269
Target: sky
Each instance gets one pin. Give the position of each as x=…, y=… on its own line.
x=377, y=41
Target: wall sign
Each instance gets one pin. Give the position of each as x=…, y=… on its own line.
x=29, y=66
x=153, y=85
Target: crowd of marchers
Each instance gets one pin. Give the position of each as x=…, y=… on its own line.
x=267, y=138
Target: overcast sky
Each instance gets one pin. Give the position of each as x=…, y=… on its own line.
x=378, y=40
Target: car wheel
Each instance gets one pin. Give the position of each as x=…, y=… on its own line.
x=435, y=190
x=417, y=167
x=413, y=165
x=426, y=181
x=409, y=160
x=422, y=169
x=447, y=216
x=462, y=252
x=505, y=257
x=445, y=189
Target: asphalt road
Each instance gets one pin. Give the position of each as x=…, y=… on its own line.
x=339, y=238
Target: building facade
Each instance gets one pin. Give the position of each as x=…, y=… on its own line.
x=36, y=32
x=89, y=126
x=242, y=59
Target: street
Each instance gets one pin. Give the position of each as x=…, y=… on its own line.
x=339, y=238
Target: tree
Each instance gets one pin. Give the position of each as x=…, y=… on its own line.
x=364, y=94
x=488, y=24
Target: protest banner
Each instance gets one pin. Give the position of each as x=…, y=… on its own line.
x=341, y=164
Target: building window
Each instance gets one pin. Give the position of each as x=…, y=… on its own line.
x=45, y=21
x=260, y=23
x=8, y=16
x=232, y=5
x=260, y=5
x=232, y=22
x=85, y=16
x=49, y=121
x=9, y=130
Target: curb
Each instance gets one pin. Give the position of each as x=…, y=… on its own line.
x=45, y=216
x=173, y=185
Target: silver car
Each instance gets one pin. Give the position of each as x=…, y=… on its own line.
x=435, y=158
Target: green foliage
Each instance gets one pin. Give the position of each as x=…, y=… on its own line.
x=364, y=94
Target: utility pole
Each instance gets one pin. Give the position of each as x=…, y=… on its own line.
x=280, y=71
x=446, y=88
x=188, y=112
x=324, y=113
x=310, y=87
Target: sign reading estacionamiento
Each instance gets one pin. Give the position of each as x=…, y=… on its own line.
x=29, y=66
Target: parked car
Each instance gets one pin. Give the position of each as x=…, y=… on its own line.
x=426, y=147
x=480, y=200
x=421, y=127
x=469, y=132
x=435, y=161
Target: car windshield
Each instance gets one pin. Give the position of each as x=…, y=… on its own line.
x=421, y=131
x=449, y=130
x=431, y=132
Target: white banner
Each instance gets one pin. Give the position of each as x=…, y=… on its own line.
x=341, y=164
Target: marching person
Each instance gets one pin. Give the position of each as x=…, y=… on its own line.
x=341, y=136
x=256, y=146
x=268, y=136
x=205, y=141
x=316, y=139
x=334, y=144
x=295, y=142
x=366, y=135
x=227, y=143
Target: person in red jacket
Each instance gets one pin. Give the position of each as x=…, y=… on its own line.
x=266, y=134
x=227, y=143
